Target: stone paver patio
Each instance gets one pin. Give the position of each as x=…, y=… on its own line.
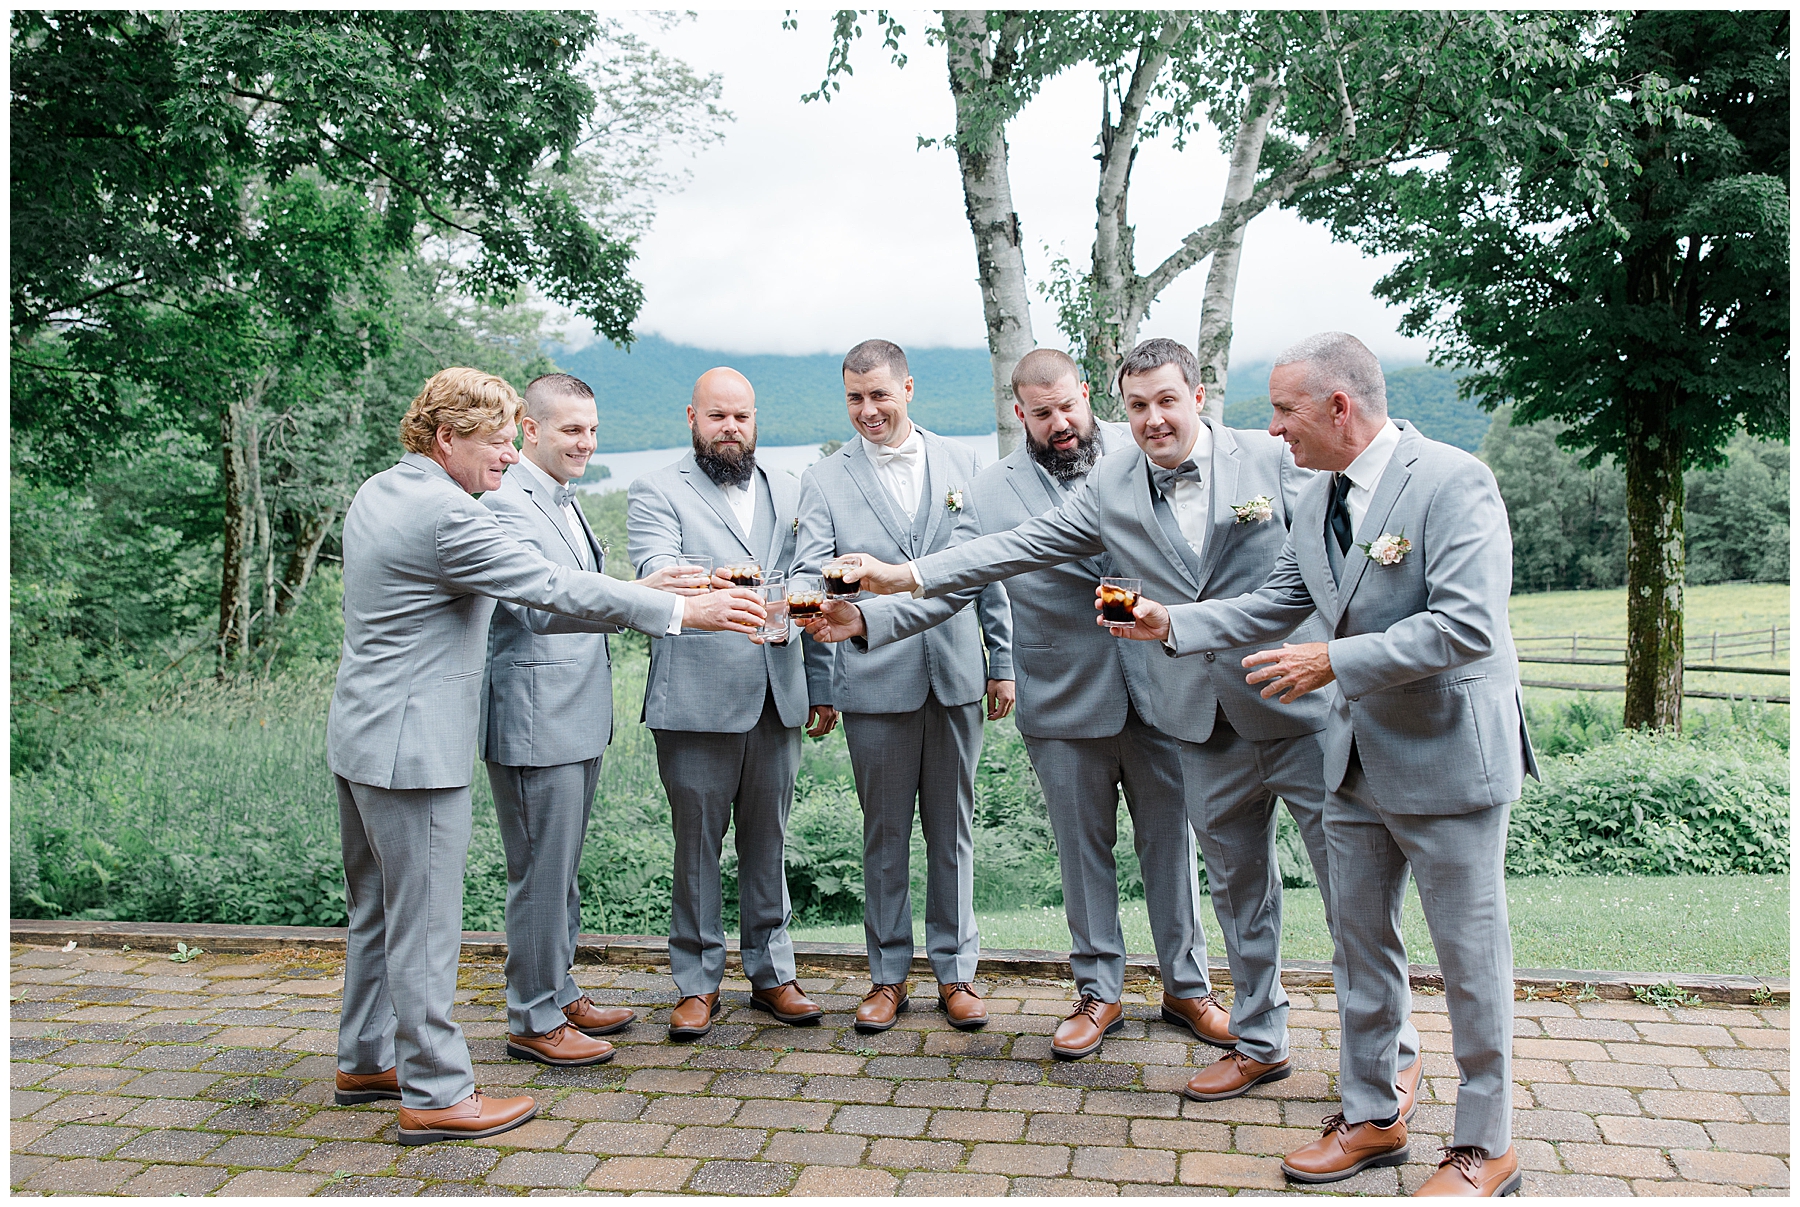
x=135, y=1075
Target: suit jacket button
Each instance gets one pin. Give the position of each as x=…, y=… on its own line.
x=1354, y=699
x=1210, y=656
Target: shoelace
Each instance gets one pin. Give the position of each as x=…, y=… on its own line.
x=1331, y=1123
x=951, y=991
x=892, y=991
x=1465, y=1160
x=1089, y=1006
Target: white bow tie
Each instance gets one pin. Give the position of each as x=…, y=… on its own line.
x=908, y=452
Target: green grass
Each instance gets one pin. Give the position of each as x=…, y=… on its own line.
x=1624, y=923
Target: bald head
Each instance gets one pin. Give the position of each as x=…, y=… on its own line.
x=723, y=384
x=722, y=415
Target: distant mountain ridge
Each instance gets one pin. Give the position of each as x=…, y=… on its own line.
x=642, y=394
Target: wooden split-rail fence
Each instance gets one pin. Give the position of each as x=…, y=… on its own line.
x=1746, y=653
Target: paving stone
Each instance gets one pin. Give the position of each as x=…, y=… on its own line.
x=757, y=1085
x=675, y=1109
x=1139, y=1105
x=1616, y=1161
x=167, y=1145
x=84, y=1175
x=81, y=1108
x=801, y=1116
x=264, y=1152
x=621, y=1139
x=264, y=1117
x=1751, y=1137
x=1589, y=1099
x=1021, y=1160
x=1077, y=1129
x=1736, y=1169
x=916, y=1154
x=741, y=1178
x=446, y=1161
x=1632, y=1076
x=370, y=1188
x=543, y=1169
x=1693, y=1104
x=880, y=1120
x=350, y=1156
x=940, y=1093
x=1554, y=1125
x=79, y=1140
x=952, y=1185
x=844, y=1183
x=1693, y=1190
x=1020, y=1072
x=539, y=1133
x=1033, y=1098
x=733, y=1142
x=163, y=1181
x=977, y=1125
x=641, y=1173
x=267, y=1183
x=1766, y=1108
x=1653, y=1133
x=836, y=1063
x=340, y=1124
x=1232, y=1169
x=1180, y=1134
x=1725, y=1081
x=829, y=1088
x=815, y=1148
x=24, y=1167
x=172, y=1056
x=615, y=1108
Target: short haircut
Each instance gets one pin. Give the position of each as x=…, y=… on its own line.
x=1337, y=361
x=540, y=390
x=467, y=401
x=873, y=354
x=1153, y=354
x=1043, y=367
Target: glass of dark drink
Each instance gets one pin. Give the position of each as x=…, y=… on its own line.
x=1117, y=597
x=805, y=595
x=835, y=586
x=742, y=574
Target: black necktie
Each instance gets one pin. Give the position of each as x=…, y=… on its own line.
x=1165, y=479
x=565, y=495
x=1337, y=517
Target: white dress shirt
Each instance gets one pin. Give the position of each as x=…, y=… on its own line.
x=901, y=469
x=571, y=517
x=1192, y=503
x=743, y=504
x=1365, y=472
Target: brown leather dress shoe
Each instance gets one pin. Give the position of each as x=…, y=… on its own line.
x=1407, y=1082
x=1204, y=1016
x=353, y=1088
x=471, y=1119
x=1233, y=1074
x=693, y=1016
x=787, y=1003
x=881, y=1007
x=1347, y=1149
x=590, y=1018
x=964, y=1006
x=564, y=1046
x=1086, y=1028
x=1471, y=1174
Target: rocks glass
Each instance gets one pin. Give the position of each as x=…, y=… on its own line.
x=1117, y=597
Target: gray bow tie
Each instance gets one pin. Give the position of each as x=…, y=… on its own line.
x=1165, y=479
x=565, y=495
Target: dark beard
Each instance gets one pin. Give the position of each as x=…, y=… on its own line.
x=726, y=469
x=1065, y=467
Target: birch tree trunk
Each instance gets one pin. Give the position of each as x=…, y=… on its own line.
x=1213, y=347
x=981, y=155
x=239, y=437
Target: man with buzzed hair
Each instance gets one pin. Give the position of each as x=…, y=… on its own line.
x=912, y=709
x=726, y=715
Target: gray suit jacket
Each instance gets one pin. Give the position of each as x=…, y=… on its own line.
x=549, y=684
x=1071, y=681
x=844, y=508
x=1427, y=682
x=715, y=682
x=1115, y=513
x=423, y=564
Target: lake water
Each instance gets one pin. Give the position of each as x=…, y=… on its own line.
x=628, y=467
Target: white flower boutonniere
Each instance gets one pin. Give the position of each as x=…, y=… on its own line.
x=1259, y=510
x=953, y=500
x=1386, y=549
x=796, y=523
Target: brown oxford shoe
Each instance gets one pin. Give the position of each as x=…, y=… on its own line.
x=964, y=1006
x=564, y=1046
x=693, y=1016
x=591, y=1018
x=1231, y=1075
x=1408, y=1084
x=1204, y=1016
x=1469, y=1173
x=1346, y=1149
x=881, y=1007
x=353, y=1088
x=1086, y=1028
x=787, y=1003
x=471, y=1119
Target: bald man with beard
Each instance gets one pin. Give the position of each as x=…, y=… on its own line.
x=726, y=715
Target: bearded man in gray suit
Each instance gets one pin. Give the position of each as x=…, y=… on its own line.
x=1086, y=737
x=423, y=565
x=1196, y=510
x=912, y=710
x=1404, y=549
x=726, y=713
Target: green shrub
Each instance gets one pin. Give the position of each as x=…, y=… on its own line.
x=1655, y=804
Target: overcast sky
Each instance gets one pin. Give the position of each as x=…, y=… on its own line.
x=814, y=226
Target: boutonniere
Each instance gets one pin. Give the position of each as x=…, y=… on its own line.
x=796, y=523
x=1259, y=510
x=1386, y=549
x=953, y=500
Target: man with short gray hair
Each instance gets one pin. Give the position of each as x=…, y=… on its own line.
x=1401, y=544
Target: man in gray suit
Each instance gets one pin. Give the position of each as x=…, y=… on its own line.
x=1404, y=549
x=423, y=565
x=548, y=719
x=726, y=713
x=1085, y=737
x=1196, y=510
x=912, y=709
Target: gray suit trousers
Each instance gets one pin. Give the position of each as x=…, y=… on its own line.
x=543, y=814
x=1459, y=861
x=928, y=755
x=404, y=851
x=712, y=778
x=1233, y=786
x=1081, y=778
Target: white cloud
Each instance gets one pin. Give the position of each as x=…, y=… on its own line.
x=817, y=225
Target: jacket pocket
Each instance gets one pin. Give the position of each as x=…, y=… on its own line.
x=461, y=675
x=546, y=662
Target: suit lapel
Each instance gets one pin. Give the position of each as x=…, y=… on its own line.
x=547, y=505
x=862, y=472
x=1308, y=535
x=1224, y=472
x=784, y=499
x=1387, y=493
x=715, y=499
x=1027, y=481
x=938, y=481
x=1146, y=510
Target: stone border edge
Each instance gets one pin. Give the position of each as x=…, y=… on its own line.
x=651, y=949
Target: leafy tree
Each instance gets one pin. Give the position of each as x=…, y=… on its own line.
x=1636, y=290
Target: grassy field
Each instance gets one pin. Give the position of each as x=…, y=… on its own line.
x=1622, y=923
